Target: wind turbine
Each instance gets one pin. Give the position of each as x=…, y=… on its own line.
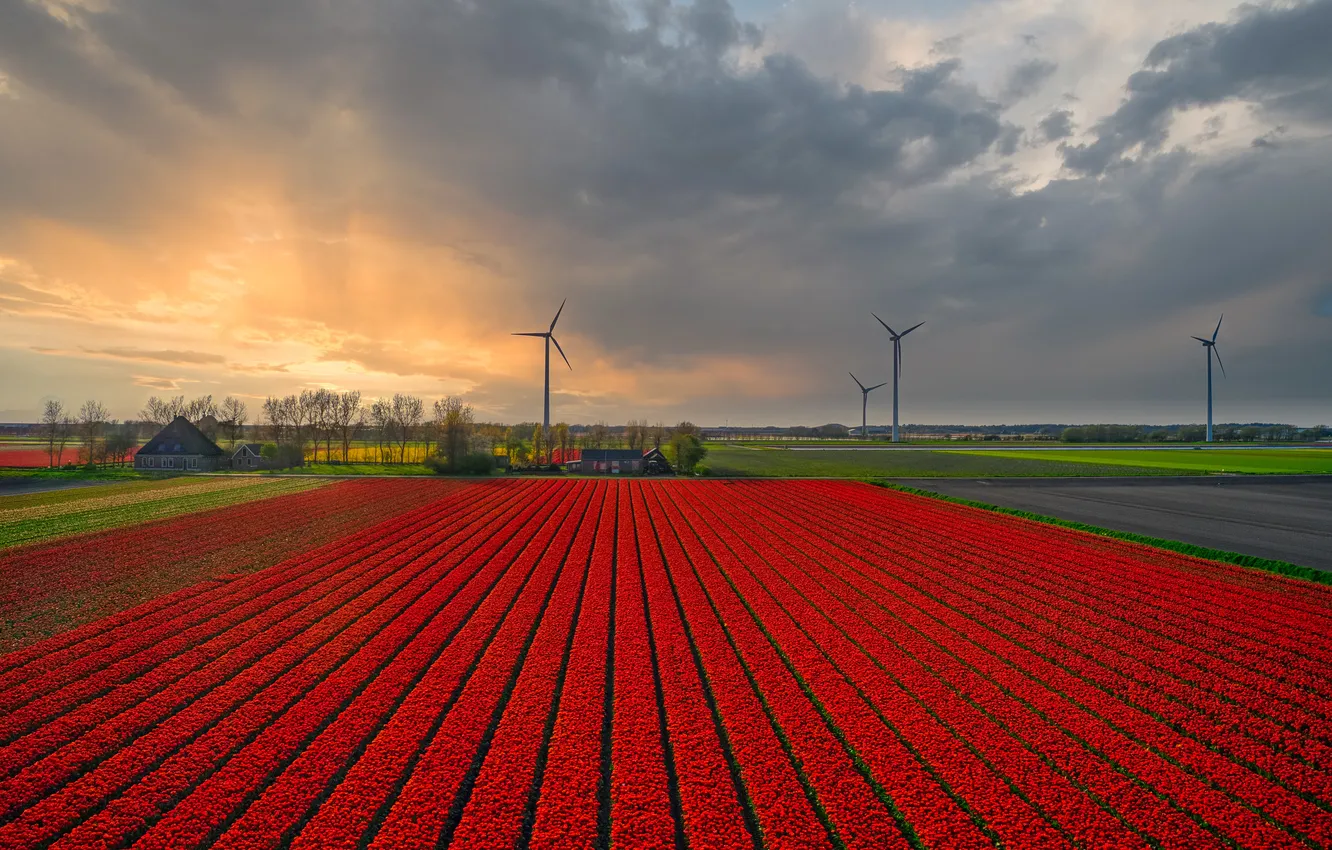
x=897, y=363
x=549, y=336
x=1209, y=345
x=864, y=405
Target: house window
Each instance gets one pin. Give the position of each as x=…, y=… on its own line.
x=147, y=461
x=169, y=463
x=194, y=463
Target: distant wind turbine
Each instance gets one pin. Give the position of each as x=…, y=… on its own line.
x=549, y=336
x=1209, y=345
x=897, y=363
x=864, y=405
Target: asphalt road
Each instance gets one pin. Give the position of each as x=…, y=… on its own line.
x=1287, y=518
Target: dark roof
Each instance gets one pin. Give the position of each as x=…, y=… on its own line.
x=256, y=448
x=612, y=454
x=653, y=453
x=179, y=437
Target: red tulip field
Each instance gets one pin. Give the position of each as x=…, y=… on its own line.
x=572, y=663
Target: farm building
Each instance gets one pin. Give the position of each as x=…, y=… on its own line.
x=248, y=456
x=655, y=463
x=180, y=446
x=619, y=461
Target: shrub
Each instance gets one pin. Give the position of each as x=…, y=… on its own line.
x=476, y=463
x=282, y=456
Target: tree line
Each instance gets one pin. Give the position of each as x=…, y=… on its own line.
x=101, y=439
x=325, y=418
x=324, y=424
x=1190, y=434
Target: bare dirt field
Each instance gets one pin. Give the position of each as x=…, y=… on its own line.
x=1287, y=518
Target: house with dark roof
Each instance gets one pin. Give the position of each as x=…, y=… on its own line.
x=180, y=446
x=248, y=456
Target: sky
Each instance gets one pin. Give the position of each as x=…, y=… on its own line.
x=241, y=197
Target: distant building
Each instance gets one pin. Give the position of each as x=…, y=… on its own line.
x=620, y=462
x=180, y=446
x=655, y=463
x=208, y=425
x=248, y=456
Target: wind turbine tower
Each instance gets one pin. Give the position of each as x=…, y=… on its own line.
x=897, y=363
x=864, y=405
x=549, y=336
x=1209, y=345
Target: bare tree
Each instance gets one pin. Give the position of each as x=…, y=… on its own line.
x=658, y=435
x=233, y=417
x=54, y=421
x=156, y=411
x=92, y=421
x=201, y=407
x=303, y=410
x=350, y=418
x=65, y=433
x=275, y=417
x=381, y=414
x=328, y=420
x=454, y=425
x=636, y=433
x=408, y=411
x=120, y=442
x=597, y=436
x=176, y=407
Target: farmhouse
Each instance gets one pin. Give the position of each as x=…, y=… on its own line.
x=248, y=456
x=180, y=446
x=619, y=461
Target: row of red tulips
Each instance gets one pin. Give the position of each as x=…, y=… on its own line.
x=248, y=703
x=163, y=546
x=703, y=664
x=445, y=651
x=1188, y=756
x=1116, y=668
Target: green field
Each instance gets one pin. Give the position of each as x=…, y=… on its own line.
x=33, y=517
x=733, y=460
x=1245, y=461
x=737, y=461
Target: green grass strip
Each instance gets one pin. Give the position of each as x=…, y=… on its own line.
x=20, y=499
x=45, y=528
x=1283, y=568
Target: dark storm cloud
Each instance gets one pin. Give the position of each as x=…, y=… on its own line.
x=697, y=196
x=1279, y=57
x=1026, y=78
x=1057, y=125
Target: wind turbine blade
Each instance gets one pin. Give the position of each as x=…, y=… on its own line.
x=561, y=351
x=857, y=380
x=531, y=334
x=557, y=316
x=1218, y=359
x=876, y=386
x=885, y=325
x=1218, y=327
x=1203, y=341
x=909, y=330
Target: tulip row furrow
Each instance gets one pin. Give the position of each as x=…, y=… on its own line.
x=173, y=759
x=283, y=806
x=934, y=714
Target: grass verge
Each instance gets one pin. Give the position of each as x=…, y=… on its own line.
x=1283, y=568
